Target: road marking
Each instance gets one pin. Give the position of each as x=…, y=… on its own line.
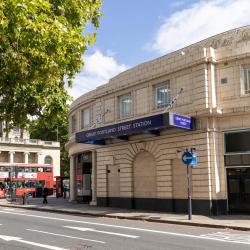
x=18, y=239
x=67, y=236
x=229, y=237
x=103, y=232
x=122, y=227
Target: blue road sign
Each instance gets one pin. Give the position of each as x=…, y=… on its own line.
x=194, y=161
x=187, y=157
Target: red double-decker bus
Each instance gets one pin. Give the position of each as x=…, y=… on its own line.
x=19, y=179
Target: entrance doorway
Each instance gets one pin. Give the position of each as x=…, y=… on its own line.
x=83, y=177
x=238, y=181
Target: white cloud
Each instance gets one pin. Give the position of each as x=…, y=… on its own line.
x=98, y=69
x=203, y=19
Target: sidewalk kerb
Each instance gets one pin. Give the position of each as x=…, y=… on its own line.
x=187, y=223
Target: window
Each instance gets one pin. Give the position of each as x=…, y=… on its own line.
x=73, y=123
x=162, y=95
x=48, y=160
x=85, y=118
x=16, y=130
x=125, y=105
x=246, y=89
x=237, y=142
x=48, y=170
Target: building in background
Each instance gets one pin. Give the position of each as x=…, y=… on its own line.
x=17, y=147
x=124, y=142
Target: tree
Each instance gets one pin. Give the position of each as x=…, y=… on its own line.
x=40, y=129
x=41, y=46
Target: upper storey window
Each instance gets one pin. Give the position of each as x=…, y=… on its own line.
x=125, y=105
x=85, y=118
x=73, y=123
x=162, y=95
x=246, y=89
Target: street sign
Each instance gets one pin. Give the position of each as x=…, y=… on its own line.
x=194, y=161
x=180, y=121
x=187, y=157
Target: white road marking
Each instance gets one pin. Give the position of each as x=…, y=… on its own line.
x=122, y=227
x=229, y=237
x=67, y=236
x=103, y=232
x=18, y=239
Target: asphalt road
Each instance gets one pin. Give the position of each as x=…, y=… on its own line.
x=25, y=229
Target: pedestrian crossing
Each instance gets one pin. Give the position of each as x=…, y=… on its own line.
x=227, y=236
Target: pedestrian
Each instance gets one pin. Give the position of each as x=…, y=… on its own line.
x=45, y=194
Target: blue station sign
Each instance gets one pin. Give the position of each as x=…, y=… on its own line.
x=124, y=128
x=180, y=121
x=149, y=125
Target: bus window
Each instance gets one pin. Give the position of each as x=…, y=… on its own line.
x=20, y=184
x=33, y=170
x=33, y=184
x=13, y=184
x=2, y=184
x=40, y=183
x=20, y=169
x=48, y=170
x=27, y=184
x=40, y=170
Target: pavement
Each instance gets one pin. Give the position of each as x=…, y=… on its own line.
x=61, y=205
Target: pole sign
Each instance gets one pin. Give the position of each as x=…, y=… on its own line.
x=187, y=157
x=194, y=161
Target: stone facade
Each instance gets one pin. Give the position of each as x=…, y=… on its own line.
x=145, y=171
x=17, y=147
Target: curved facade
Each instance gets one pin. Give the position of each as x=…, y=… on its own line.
x=125, y=149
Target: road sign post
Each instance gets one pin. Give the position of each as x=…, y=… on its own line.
x=189, y=193
x=189, y=159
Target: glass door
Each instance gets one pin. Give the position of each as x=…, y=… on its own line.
x=238, y=180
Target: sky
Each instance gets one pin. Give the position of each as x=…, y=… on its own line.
x=135, y=31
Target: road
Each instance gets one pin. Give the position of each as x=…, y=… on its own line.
x=25, y=229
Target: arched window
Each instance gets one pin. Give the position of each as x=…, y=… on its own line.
x=48, y=160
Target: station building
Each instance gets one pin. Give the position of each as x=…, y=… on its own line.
x=125, y=150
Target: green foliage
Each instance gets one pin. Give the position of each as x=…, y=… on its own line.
x=41, y=46
x=40, y=129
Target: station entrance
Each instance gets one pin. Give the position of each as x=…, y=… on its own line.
x=83, y=177
x=238, y=180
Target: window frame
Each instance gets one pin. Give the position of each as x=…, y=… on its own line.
x=121, y=100
x=246, y=81
x=48, y=159
x=83, y=120
x=73, y=123
x=161, y=86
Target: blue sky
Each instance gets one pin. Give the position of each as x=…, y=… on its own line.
x=135, y=31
